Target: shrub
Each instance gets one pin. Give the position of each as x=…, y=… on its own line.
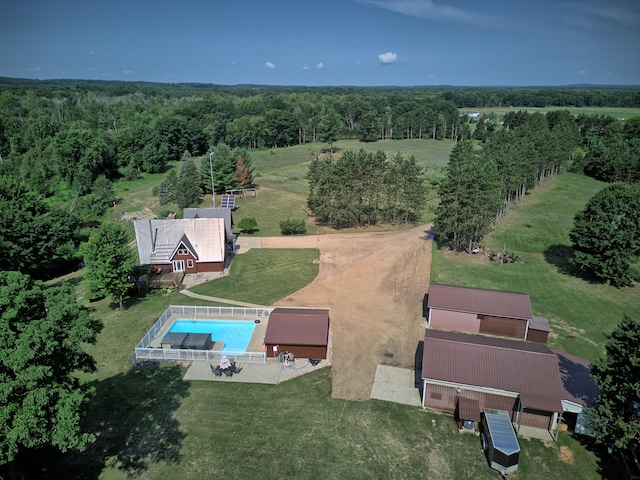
x=248, y=224
x=293, y=227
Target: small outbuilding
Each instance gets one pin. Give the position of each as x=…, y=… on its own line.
x=301, y=331
x=488, y=312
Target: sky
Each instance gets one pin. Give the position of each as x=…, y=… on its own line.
x=324, y=42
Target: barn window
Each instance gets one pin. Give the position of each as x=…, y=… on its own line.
x=182, y=251
x=190, y=263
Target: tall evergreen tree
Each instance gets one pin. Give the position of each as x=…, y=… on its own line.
x=188, y=190
x=616, y=416
x=469, y=198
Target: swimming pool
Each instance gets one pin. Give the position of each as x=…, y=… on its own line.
x=235, y=335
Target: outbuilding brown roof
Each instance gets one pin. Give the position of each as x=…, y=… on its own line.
x=477, y=300
x=298, y=326
x=579, y=386
x=528, y=369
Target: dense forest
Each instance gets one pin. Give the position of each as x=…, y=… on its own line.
x=63, y=142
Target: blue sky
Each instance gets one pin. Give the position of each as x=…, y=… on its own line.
x=324, y=42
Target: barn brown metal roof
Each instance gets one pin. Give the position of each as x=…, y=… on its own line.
x=478, y=300
x=579, y=386
x=298, y=326
x=528, y=369
x=539, y=323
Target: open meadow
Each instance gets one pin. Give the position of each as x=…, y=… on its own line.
x=618, y=113
x=152, y=424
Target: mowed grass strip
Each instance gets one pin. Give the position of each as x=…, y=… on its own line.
x=537, y=231
x=262, y=276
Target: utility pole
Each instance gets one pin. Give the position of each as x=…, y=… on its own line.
x=213, y=192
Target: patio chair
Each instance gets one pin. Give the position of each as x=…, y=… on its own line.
x=228, y=372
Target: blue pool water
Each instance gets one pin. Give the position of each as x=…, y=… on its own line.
x=234, y=334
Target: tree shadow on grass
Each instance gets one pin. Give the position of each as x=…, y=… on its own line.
x=609, y=467
x=131, y=416
x=558, y=255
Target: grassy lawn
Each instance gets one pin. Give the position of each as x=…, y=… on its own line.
x=262, y=276
x=537, y=230
x=154, y=425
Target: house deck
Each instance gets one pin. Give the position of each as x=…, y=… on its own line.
x=166, y=280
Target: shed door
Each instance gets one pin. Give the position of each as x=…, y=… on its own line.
x=535, y=419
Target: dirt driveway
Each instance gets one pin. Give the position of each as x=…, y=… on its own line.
x=374, y=284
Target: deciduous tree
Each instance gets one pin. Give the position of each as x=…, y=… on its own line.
x=42, y=335
x=109, y=261
x=606, y=235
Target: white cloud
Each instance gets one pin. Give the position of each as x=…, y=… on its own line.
x=33, y=69
x=429, y=10
x=320, y=65
x=92, y=52
x=582, y=72
x=388, y=58
x=269, y=65
x=432, y=75
x=306, y=66
x=127, y=72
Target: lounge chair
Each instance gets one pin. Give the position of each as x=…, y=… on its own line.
x=228, y=372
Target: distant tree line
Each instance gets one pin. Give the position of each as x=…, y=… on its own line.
x=363, y=188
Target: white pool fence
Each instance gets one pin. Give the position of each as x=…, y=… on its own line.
x=144, y=351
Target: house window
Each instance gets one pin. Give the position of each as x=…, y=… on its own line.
x=178, y=265
x=182, y=251
x=189, y=263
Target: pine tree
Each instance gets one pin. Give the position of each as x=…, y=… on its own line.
x=469, y=198
x=167, y=188
x=188, y=191
x=616, y=416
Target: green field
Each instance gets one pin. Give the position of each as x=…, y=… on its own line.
x=280, y=175
x=618, y=113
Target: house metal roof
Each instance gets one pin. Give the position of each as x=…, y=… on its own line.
x=298, y=326
x=526, y=368
x=476, y=300
x=157, y=240
x=215, y=212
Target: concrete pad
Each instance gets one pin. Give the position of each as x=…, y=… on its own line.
x=396, y=385
x=244, y=243
x=251, y=372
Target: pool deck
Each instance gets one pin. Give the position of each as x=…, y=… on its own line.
x=271, y=372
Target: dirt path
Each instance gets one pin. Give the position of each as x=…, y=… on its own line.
x=374, y=284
